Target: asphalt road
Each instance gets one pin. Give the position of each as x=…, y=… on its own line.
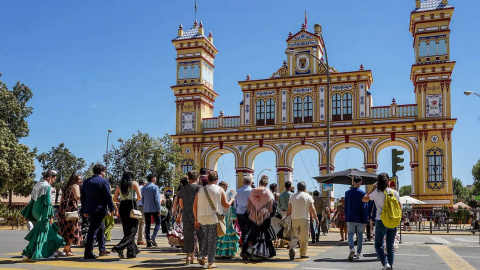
x=436, y=252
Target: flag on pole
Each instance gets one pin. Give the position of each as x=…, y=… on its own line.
x=195, y=5
x=305, y=19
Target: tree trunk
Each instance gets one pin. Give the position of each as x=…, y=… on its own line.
x=10, y=195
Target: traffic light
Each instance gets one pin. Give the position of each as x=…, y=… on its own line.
x=397, y=161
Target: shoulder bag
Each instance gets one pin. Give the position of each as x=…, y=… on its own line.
x=71, y=215
x=221, y=228
x=134, y=213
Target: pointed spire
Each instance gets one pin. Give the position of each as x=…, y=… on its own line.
x=201, y=24
x=180, y=30
x=290, y=34
x=210, y=37
x=321, y=59
x=394, y=101
x=210, y=34
x=248, y=77
x=361, y=66
x=303, y=26
x=305, y=19
x=284, y=63
x=195, y=24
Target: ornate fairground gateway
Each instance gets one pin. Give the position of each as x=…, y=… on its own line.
x=286, y=113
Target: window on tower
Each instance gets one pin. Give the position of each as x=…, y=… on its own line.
x=347, y=106
x=270, y=112
x=422, y=50
x=336, y=107
x=297, y=110
x=435, y=165
x=442, y=47
x=260, y=112
x=181, y=73
x=307, y=109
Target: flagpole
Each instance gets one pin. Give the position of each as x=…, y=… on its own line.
x=195, y=10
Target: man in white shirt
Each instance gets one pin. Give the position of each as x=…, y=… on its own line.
x=300, y=208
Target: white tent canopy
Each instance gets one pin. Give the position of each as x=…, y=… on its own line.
x=406, y=200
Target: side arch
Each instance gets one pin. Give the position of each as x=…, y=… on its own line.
x=382, y=144
x=252, y=151
x=211, y=156
x=291, y=150
x=337, y=146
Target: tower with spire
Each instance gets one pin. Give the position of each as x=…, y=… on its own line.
x=194, y=91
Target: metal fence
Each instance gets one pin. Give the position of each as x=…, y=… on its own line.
x=439, y=220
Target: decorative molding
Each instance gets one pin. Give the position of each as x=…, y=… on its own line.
x=247, y=108
x=240, y=148
x=265, y=93
x=281, y=146
x=303, y=36
x=414, y=140
x=321, y=102
x=302, y=90
x=370, y=143
x=341, y=87
x=362, y=101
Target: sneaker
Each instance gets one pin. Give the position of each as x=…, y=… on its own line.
x=149, y=243
x=291, y=253
x=359, y=256
x=59, y=253
x=154, y=243
x=350, y=256
x=387, y=267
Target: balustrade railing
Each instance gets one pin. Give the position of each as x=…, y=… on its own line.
x=221, y=122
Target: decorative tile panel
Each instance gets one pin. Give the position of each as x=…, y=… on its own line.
x=188, y=122
x=284, y=105
x=247, y=108
x=434, y=105
x=362, y=100
x=322, y=102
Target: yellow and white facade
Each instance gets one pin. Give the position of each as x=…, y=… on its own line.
x=286, y=113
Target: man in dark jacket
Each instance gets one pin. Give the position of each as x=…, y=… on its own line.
x=96, y=203
x=355, y=216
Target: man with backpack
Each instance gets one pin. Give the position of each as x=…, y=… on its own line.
x=388, y=218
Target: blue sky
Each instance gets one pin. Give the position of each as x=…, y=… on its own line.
x=99, y=65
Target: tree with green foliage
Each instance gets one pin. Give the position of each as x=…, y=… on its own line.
x=143, y=154
x=476, y=178
x=460, y=191
x=405, y=190
x=16, y=159
x=64, y=162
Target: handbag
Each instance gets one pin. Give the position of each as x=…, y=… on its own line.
x=134, y=213
x=221, y=228
x=71, y=215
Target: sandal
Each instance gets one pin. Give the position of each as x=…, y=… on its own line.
x=201, y=260
x=210, y=266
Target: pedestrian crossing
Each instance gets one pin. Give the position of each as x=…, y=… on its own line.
x=161, y=257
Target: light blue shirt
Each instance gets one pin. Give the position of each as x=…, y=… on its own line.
x=151, y=198
x=139, y=203
x=241, y=199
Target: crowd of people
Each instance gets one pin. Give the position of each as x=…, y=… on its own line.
x=205, y=218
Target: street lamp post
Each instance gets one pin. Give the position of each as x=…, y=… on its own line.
x=318, y=31
x=260, y=173
x=468, y=93
x=106, y=156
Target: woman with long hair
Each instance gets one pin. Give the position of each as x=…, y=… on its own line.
x=70, y=229
x=377, y=194
x=227, y=245
x=127, y=194
x=43, y=239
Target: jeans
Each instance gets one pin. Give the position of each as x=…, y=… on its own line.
x=380, y=232
x=355, y=228
x=315, y=228
x=148, y=221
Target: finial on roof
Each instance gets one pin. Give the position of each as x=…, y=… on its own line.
x=195, y=24
x=221, y=112
x=393, y=101
x=210, y=34
x=180, y=27
x=248, y=77
x=284, y=63
x=201, y=24
x=361, y=66
x=303, y=26
x=180, y=30
x=210, y=37
x=321, y=59
x=289, y=34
